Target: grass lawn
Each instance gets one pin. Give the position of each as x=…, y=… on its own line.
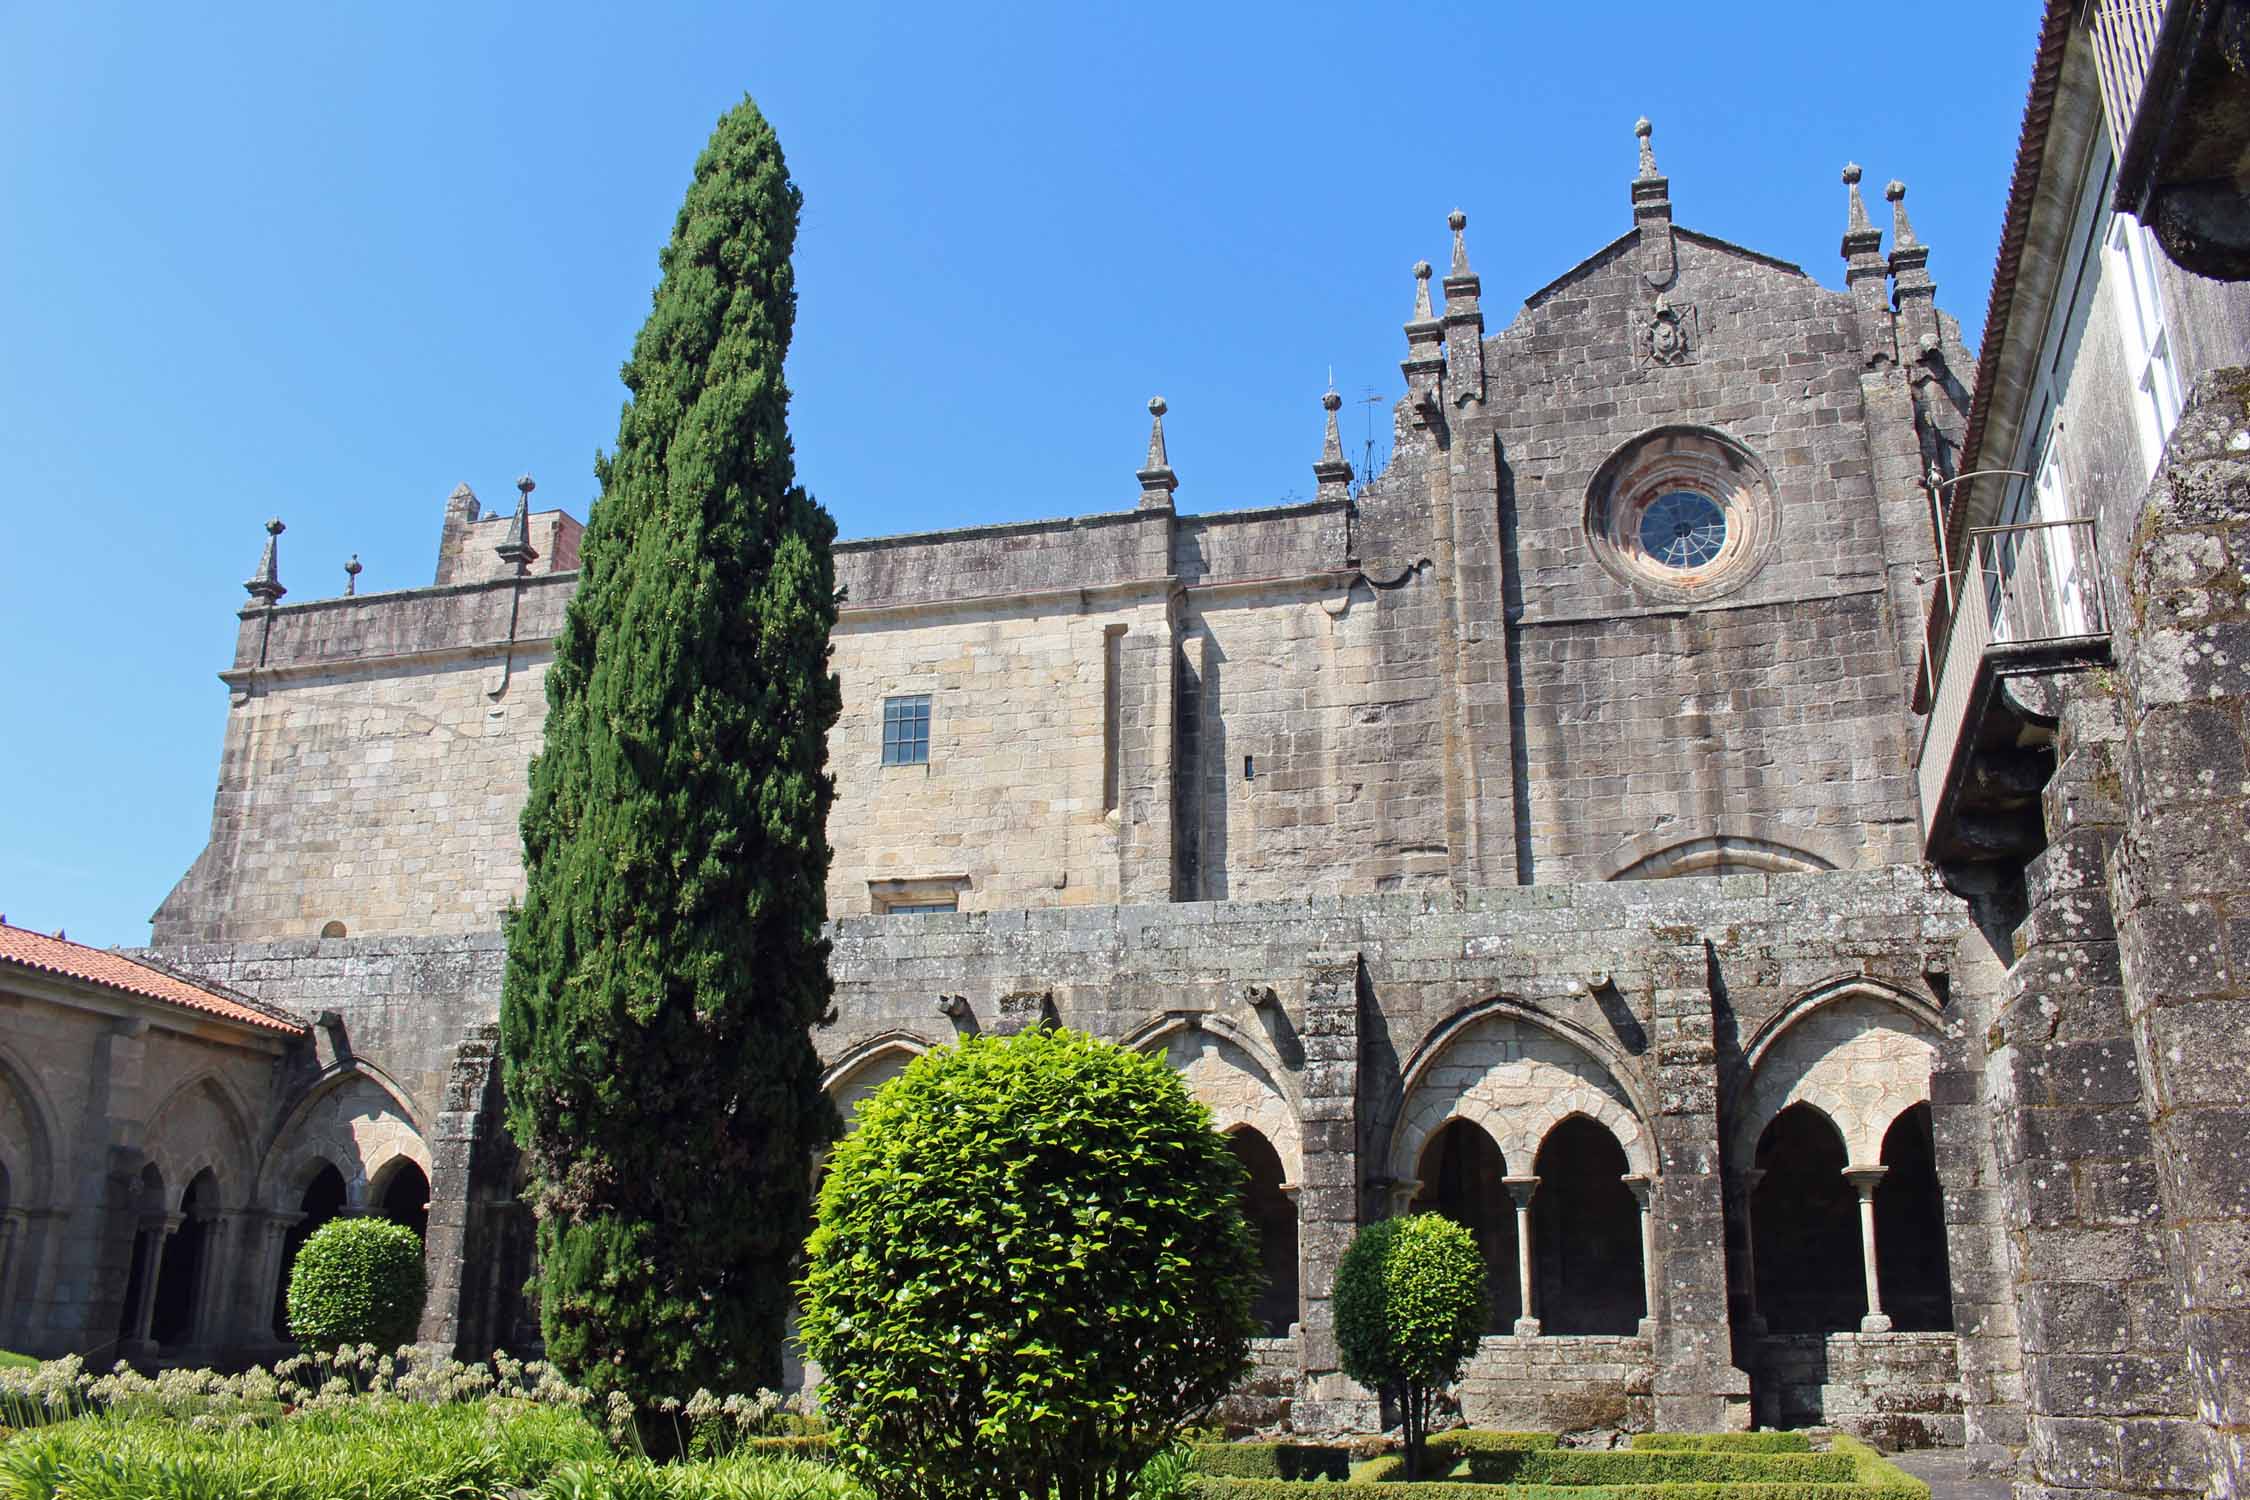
x=13, y=1361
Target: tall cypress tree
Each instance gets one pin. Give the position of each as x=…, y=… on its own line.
x=667, y=965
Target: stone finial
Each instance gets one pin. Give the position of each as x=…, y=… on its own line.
x=1157, y=479
x=1915, y=295
x=1652, y=215
x=351, y=576
x=1424, y=365
x=1902, y=233
x=464, y=500
x=1464, y=320
x=1857, y=224
x=515, y=548
x=265, y=584
x=1332, y=474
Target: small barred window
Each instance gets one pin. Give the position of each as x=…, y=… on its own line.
x=906, y=730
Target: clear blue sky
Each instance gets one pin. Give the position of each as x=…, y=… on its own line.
x=327, y=262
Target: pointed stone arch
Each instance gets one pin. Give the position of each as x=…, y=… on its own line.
x=1650, y=858
x=1516, y=1072
x=1858, y=1049
x=202, y=1125
x=1234, y=1075
x=30, y=1134
x=855, y=1076
x=353, y=1117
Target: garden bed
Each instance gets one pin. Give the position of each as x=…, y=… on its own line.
x=1477, y=1465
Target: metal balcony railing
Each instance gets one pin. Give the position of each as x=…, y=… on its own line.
x=2029, y=600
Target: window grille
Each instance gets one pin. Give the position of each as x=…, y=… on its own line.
x=906, y=730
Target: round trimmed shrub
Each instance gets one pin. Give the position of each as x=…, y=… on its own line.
x=1030, y=1271
x=1410, y=1307
x=357, y=1281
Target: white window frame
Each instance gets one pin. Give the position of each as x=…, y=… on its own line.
x=2150, y=363
x=2066, y=557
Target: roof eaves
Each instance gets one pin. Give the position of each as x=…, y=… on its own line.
x=2015, y=225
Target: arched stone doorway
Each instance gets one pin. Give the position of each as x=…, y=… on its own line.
x=1804, y=1222
x=404, y=1197
x=1272, y=1214
x=1910, y=1248
x=321, y=1201
x=1463, y=1176
x=1586, y=1234
x=148, y=1245
x=184, y=1264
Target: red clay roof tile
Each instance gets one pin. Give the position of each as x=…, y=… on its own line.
x=55, y=955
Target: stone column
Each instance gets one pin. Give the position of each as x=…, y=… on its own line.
x=1402, y=1192
x=454, y=1315
x=1977, y=1260
x=1864, y=1181
x=1328, y=1205
x=2180, y=889
x=155, y=1231
x=271, y=1237
x=1753, y=1321
x=1697, y=1387
x=11, y=1302
x=1638, y=1183
x=1521, y=1189
x=212, y=1304
x=1292, y=1192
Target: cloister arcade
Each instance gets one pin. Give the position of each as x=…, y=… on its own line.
x=1525, y=1129
x=1833, y=1147
x=1518, y=1126
x=212, y=1237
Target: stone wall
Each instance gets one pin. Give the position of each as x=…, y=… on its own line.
x=374, y=767
x=1896, y=1390
x=1029, y=796
x=1143, y=706
x=1580, y=1384
x=2179, y=885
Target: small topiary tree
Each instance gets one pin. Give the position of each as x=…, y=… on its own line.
x=1030, y=1272
x=1410, y=1306
x=357, y=1281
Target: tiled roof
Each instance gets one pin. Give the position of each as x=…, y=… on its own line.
x=2015, y=223
x=55, y=955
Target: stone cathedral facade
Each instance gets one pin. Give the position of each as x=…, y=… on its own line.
x=1536, y=832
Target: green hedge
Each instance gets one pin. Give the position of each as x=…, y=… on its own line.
x=1483, y=1440
x=1882, y=1479
x=1587, y=1467
x=1447, y=1448
x=1723, y=1442
x=1211, y=1487
x=1872, y=1479
x=818, y=1446
x=1272, y=1460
